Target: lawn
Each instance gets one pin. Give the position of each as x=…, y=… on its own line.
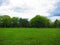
x=29, y=36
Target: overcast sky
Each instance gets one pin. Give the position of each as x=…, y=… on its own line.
x=30, y=8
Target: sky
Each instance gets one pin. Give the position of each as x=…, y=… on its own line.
x=30, y=8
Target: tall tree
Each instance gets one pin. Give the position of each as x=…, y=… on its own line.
x=57, y=23
x=1, y=21
x=23, y=22
x=14, y=22
x=6, y=20
x=39, y=21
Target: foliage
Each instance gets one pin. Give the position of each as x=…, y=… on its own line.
x=14, y=22
x=57, y=23
x=23, y=22
x=36, y=22
x=39, y=21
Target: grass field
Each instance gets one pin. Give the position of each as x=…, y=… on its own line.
x=29, y=36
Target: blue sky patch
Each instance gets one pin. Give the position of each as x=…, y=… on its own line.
x=56, y=11
x=3, y=2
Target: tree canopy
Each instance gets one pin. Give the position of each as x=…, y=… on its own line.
x=39, y=21
x=36, y=22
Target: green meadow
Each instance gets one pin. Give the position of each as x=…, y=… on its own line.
x=29, y=36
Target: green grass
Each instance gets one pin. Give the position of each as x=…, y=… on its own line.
x=29, y=36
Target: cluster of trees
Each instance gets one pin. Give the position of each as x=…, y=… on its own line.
x=36, y=22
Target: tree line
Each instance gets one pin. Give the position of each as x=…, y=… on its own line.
x=36, y=22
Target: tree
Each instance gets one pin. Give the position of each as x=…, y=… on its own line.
x=57, y=23
x=51, y=25
x=1, y=21
x=39, y=21
x=23, y=22
x=14, y=22
x=6, y=20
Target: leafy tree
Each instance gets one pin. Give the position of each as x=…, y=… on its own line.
x=1, y=21
x=57, y=23
x=6, y=20
x=14, y=22
x=51, y=24
x=39, y=21
x=23, y=22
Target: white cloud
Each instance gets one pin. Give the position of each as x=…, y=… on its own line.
x=32, y=7
x=53, y=18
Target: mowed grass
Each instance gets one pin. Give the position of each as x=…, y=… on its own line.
x=29, y=36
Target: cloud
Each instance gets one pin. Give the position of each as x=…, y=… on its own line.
x=21, y=9
x=4, y=2
x=27, y=8
x=1, y=2
x=18, y=9
x=34, y=6
x=56, y=11
x=53, y=18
